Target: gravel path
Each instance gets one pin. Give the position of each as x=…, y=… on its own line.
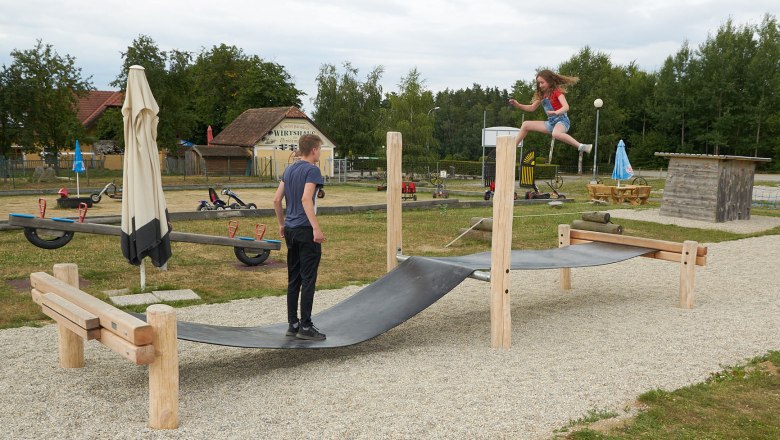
x=617, y=334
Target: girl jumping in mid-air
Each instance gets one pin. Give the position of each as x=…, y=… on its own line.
x=549, y=92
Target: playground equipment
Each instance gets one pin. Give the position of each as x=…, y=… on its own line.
x=55, y=233
x=408, y=191
x=492, y=190
x=438, y=180
x=109, y=190
x=215, y=203
x=528, y=179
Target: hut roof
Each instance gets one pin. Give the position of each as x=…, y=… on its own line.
x=252, y=125
x=221, y=151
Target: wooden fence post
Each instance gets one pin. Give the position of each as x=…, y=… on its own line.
x=164, y=371
x=394, y=222
x=687, y=273
x=71, y=346
x=501, y=249
x=564, y=239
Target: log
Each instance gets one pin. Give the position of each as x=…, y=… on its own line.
x=596, y=216
x=650, y=243
x=608, y=228
x=483, y=224
x=477, y=235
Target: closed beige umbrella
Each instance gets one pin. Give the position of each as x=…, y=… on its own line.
x=145, y=230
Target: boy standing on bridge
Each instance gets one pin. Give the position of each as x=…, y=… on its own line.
x=302, y=234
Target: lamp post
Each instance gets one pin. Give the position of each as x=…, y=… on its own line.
x=598, y=103
x=429, y=115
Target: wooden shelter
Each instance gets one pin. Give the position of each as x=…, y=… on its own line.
x=219, y=160
x=708, y=187
x=270, y=135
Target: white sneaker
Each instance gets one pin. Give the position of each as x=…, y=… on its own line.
x=585, y=147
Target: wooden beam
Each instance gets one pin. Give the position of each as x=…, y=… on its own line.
x=501, y=247
x=79, y=316
x=394, y=222
x=111, y=319
x=658, y=255
x=138, y=354
x=650, y=243
x=80, y=332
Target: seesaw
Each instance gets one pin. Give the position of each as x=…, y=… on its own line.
x=55, y=233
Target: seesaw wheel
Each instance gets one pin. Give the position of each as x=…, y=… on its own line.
x=250, y=257
x=48, y=239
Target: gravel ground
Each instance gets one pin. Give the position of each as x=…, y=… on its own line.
x=617, y=334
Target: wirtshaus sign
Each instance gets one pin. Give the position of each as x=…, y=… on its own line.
x=288, y=133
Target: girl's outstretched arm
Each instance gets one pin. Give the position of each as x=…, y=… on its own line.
x=525, y=107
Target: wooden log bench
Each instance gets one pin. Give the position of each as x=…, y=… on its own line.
x=688, y=254
x=80, y=316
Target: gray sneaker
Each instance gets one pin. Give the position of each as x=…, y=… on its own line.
x=310, y=333
x=586, y=148
x=292, y=329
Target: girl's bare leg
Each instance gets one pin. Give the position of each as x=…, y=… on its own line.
x=559, y=134
x=527, y=126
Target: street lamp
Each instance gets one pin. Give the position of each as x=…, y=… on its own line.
x=428, y=115
x=598, y=103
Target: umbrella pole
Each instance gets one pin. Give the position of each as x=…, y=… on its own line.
x=78, y=193
x=143, y=275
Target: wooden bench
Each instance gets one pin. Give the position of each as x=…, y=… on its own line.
x=599, y=192
x=80, y=316
x=688, y=254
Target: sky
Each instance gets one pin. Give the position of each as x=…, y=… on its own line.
x=453, y=44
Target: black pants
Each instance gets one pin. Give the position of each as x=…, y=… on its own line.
x=303, y=261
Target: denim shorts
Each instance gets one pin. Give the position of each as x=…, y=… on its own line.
x=552, y=121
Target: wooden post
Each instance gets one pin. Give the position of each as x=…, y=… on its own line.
x=564, y=239
x=503, y=205
x=394, y=224
x=71, y=346
x=164, y=371
x=687, y=273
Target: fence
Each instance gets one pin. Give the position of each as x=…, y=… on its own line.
x=766, y=198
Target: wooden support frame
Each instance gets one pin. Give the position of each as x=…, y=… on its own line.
x=689, y=254
x=80, y=316
x=394, y=225
x=501, y=247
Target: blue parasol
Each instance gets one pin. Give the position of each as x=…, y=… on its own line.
x=78, y=166
x=622, y=170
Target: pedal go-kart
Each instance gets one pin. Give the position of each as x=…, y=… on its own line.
x=216, y=204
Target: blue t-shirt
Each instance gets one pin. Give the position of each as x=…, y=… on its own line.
x=295, y=178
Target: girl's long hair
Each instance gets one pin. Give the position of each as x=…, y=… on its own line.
x=555, y=81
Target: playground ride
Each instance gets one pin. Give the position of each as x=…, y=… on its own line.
x=56, y=232
x=66, y=202
x=492, y=190
x=408, y=191
x=528, y=179
x=109, y=190
x=216, y=204
x=438, y=180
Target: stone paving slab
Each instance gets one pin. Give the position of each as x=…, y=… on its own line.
x=176, y=295
x=134, y=300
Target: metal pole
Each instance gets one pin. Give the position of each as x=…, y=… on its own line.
x=596, y=147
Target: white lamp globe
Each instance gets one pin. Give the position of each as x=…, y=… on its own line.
x=598, y=103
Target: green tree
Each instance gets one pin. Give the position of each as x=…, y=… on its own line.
x=263, y=84
x=409, y=111
x=347, y=109
x=168, y=77
x=40, y=92
x=764, y=87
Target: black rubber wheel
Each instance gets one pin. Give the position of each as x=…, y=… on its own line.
x=515, y=196
x=202, y=208
x=487, y=195
x=251, y=258
x=557, y=182
x=219, y=208
x=41, y=239
x=561, y=196
x=639, y=180
x=95, y=197
x=321, y=194
x=414, y=197
x=251, y=206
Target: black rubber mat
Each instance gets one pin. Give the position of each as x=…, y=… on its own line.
x=404, y=292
